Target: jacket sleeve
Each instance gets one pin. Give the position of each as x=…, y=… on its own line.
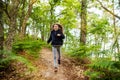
x=50, y=38
x=62, y=36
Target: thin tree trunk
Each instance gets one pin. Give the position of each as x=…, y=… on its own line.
x=1, y=34
x=52, y=20
x=43, y=31
x=83, y=22
x=1, y=29
x=22, y=16
x=1, y=38
x=115, y=30
x=51, y=15
x=23, y=30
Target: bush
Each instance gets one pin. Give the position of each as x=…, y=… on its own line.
x=100, y=63
x=30, y=46
x=82, y=52
x=104, y=69
x=9, y=56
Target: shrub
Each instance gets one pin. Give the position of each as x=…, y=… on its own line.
x=82, y=52
x=9, y=56
x=30, y=46
x=104, y=69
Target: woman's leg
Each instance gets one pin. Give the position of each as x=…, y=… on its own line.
x=54, y=49
x=59, y=54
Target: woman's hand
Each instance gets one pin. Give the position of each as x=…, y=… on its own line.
x=58, y=34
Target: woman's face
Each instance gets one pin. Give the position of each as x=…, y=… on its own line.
x=55, y=27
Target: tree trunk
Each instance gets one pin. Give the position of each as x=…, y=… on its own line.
x=1, y=34
x=51, y=15
x=83, y=22
x=115, y=32
x=52, y=18
x=12, y=14
x=42, y=35
x=22, y=14
x=1, y=29
x=1, y=38
x=23, y=27
x=11, y=33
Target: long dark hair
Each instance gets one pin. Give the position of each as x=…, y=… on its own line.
x=60, y=27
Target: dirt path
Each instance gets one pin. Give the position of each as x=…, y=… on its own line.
x=45, y=69
x=68, y=70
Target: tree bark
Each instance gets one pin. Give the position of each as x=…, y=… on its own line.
x=52, y=10
x=1, y=34
x=1, y=29
x=11, y=33
x=43, y=31
x=115, y=30
x=23, y=27
x=12, y=14
x=83, y=22
x=51, y=15
x=21, y=15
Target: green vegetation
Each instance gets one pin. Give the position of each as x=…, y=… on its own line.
x=29, y=46
x=10, y=57
x=91, y=28
x=104, y=69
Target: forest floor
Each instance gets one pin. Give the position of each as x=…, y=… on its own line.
x=68, y=70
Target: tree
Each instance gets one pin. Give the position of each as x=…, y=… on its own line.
x=41, y=19
x=11, y=10
x=1, y=28
x=53, y=4
x=26, y=17
x=116, y=36
x=108, y=10
x=83, y=21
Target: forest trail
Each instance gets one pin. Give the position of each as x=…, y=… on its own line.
x=45, y=69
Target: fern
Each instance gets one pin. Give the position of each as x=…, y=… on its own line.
x=31, y=46
x=10, y=56
x=83, y=51
x=94, y=75
x=108, y=69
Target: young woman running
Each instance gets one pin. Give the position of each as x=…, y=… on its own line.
x=56, y=39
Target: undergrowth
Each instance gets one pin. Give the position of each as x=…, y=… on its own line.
x=102, y=65
x=104, y=69
x=28, y=45
x=9, y=56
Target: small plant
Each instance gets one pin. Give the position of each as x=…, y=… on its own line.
x=9, y=57
x=30, y=46
x=83, y=51
x=104, y=69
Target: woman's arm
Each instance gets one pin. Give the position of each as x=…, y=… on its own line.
x=61, y=35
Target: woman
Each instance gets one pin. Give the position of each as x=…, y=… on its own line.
x=56, y=39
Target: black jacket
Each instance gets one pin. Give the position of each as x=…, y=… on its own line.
x=54, y=39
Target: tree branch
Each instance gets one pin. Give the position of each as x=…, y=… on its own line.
x=108, y=10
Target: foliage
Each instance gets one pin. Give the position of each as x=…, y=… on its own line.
x=10, y=57
x=83, y=51
x=29, y=45
x=102, y=41
x=104, y=69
